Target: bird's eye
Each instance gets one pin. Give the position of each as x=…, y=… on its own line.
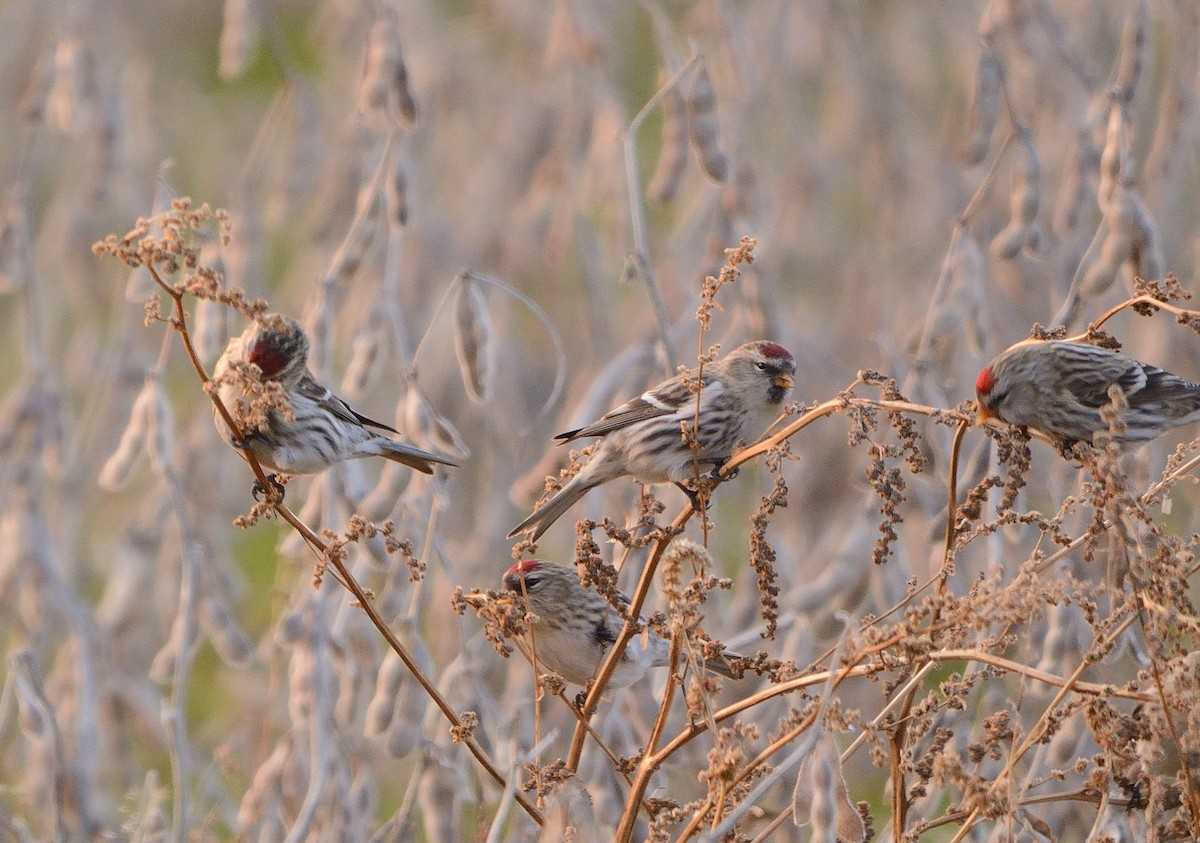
x=762, y=367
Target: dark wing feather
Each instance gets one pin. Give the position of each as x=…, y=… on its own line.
x=311, y=389
x=1162, y=386
x=631, y=412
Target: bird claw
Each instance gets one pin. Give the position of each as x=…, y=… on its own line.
x=716, y=476
x=694, y=498
x=258, y=491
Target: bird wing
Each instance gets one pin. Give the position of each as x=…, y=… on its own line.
x=1159, y=386
x=664, y=400
x=309, y=387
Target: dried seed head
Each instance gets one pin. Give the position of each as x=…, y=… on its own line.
x=473, y=338
x=703, y=130
x=986, y=108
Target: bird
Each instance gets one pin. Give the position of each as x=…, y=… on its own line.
x=574, y=626
x=1057, y=387
x=323, y=429
x=741, y=393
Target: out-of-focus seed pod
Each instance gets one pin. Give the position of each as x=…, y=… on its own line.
x=358, y=239
x=1063, y=639
x=118, y=468
x=160, y=439
x=15, y=264
x=292, y=628
x=387, y=686
x=382, y=499
x=239, y=37
x=1114, y=156
x=293, y=544
x=703, y=130
x=986, y=110
x=210, y=329
x=1076, y=192
x=1023, y=202
x=31, y=715
x=364, y=361
x=1133, y=46
x=1010, y=240
x=301, y=670
x=401, y=91
x=428, y=428
x=1027, y=173
x=473, y=339
x=140, y=285
x=1146, y=246
x=968, y=268
x=383, y=53
x=396, y=187
x=385, y=75
x=672, y=156
x=223, y=631
x=439, y=796
x=67, y=102
x=1116, y=247
x=830, y=811
x=569, y=806
x=264, y=786
x=41, y=80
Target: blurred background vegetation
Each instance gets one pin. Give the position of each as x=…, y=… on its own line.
x=857, y=153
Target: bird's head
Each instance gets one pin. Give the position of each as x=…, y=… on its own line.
x=774, y=363
x=987, y=396
x=278, y=346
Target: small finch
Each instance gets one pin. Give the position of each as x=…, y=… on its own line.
x=1058, y=388
x=741, y=394
x=574, y=626
x=324, y=429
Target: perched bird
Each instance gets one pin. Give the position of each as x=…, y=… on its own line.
x=324, y=429
x=741, y=394
x=575, y=626
x=1058, y=388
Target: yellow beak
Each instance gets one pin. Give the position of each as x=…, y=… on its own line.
x=985, y=414
x=783, y=381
